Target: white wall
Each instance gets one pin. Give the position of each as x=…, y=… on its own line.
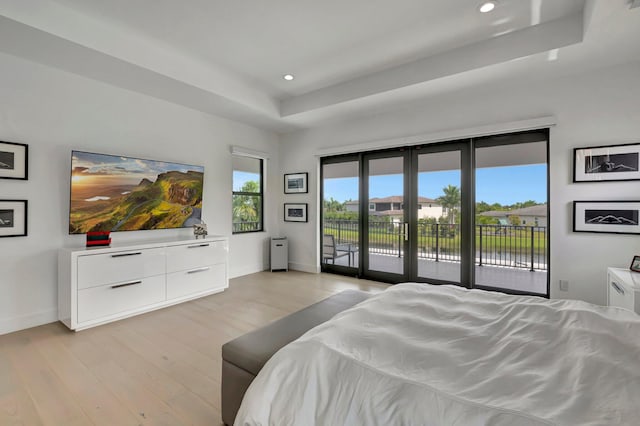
x=596, y=108
x=54, y=112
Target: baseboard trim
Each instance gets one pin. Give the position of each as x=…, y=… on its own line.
x=9, y=325
x=304, y=267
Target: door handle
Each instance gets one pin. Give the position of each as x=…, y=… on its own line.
x=406, y=231
x=126, y=284
x=126, y=254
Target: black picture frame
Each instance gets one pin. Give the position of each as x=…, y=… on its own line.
x=607, y=163
x=13, y=218
x=635, y=264
x=14, y=160
x=295, y=212
x=296, y=183
x=607, y=217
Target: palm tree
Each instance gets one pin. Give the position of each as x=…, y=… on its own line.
x=449, y=201
x=246, y=207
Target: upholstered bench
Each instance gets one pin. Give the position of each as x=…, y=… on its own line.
x=244, y=357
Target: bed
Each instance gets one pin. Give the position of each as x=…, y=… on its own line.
x=420, y=354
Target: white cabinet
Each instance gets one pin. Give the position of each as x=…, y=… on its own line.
x=106, y=268
x=623, y=289
x=100, y=285
x=193, y=281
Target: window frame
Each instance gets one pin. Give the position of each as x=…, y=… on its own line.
x=251, y=194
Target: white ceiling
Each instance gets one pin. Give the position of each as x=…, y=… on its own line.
x=349, y=57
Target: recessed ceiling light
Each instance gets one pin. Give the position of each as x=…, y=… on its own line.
x=288, y=77
x=487, y=7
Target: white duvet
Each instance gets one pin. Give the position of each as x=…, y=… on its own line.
x=418, y=354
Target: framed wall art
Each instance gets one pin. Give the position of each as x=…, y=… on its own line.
x=606, y=163
x=13, y=218
x=611, y=217
x=635, y=264
x=295, y=212
x=296, y=183
x=14, y=160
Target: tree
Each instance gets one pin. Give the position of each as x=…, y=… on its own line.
x=449, y=201
x=514, y=220
x=332, y=205
x=246, y=208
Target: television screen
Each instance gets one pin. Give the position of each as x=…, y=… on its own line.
x=114, y=193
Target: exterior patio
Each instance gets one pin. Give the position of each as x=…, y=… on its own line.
x=507, y=256
x=487, y=275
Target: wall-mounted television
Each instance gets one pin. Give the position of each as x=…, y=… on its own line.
x=116, y=193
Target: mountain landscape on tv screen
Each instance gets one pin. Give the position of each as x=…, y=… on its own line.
x=110, y=193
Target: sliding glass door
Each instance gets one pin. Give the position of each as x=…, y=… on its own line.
x=471, y=212
x=511, y=211
x=341, y=215
x=386, y=216
x=437, y=214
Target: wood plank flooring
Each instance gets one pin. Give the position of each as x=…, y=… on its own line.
x=160, y=368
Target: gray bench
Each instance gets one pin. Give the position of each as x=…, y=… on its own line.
x=244, y=357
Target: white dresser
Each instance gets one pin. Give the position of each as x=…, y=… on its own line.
x=100, y=285
x=623, y=289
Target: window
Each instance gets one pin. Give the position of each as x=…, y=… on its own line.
x=372, y=207
x=247, y=194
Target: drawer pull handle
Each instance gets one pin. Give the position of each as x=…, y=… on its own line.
x=279, y=245
x=199, y=245
x=194, y=271
x=126, y=254
x=126, y=284
x=617, y=287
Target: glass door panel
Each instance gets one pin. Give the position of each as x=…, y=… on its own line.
x=438, y=209
x=340, y=215
x=511, y=216
x=386, y=240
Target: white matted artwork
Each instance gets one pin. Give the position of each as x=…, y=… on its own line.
x=14, y=160
x=611, y=217
x=13, y=218
x=296, y=183
x=295, y=212
x=606, y=163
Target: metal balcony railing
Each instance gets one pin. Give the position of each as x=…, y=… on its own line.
x=246, y=226
x=522, y=247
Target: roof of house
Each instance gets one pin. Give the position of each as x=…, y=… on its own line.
x=539, y=210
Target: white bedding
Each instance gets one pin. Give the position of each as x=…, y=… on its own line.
x=418, y=354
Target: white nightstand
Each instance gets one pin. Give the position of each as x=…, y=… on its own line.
x=623, y=289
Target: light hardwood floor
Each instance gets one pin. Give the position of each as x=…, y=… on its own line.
x=160, y=368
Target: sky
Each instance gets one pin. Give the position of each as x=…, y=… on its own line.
x=87, y=167
x=240, y=178
x=504, y=185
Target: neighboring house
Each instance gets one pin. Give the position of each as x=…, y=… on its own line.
x=529, y=216
x=393, y=207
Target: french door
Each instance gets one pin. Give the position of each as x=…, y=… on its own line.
x=386, y=216
x=472, y=212
x=396, y=235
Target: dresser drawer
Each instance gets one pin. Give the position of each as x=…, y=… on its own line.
x=106, y=300
x=620, y=294
x=115, y=267
x=196, y=280
x=194, y=255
